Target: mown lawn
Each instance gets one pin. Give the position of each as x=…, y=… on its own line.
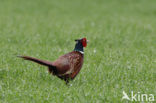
x=121, y=54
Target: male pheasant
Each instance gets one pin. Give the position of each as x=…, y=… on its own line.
x=66, y=67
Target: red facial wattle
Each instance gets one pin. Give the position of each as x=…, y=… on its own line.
x=84, y=42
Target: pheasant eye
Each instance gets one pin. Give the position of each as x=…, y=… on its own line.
x=84, y=42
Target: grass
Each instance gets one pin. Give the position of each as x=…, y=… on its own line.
x=121, y=55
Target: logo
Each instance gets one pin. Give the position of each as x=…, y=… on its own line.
x=138, y=97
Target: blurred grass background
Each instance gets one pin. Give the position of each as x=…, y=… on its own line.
x=121, y=54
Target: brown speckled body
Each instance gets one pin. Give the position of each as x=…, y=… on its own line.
x=67, y=66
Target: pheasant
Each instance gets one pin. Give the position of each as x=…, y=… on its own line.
x=66, y=67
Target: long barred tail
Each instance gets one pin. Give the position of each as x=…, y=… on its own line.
x=42, y=62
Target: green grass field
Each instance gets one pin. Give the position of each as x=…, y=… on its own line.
x=121, y=54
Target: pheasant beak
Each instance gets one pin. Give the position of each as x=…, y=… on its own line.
x=76, y=39
x=80, y=39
